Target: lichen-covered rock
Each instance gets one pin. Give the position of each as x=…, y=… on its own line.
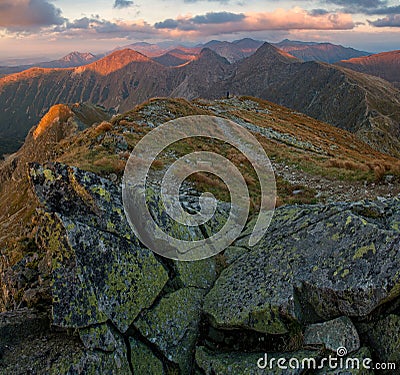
x=100, y=337
x=28, y=346
x=92, y=363
x=85, y=196
x=232, y=253
x=334, y=334
x=342, y=259
x=172, y=325
x=383, y=338
x=214, y=363
x=100, y=276
x=99, y=270
x=143, y=360
x=198, y=274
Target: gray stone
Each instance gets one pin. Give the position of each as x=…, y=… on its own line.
x=172, y=325
x=233, y=363
x=384, y=339
x=143, y=359
x=334, y=334
x=342, y=259
x=99, y=337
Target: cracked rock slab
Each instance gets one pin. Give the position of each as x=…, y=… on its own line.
x=342, y=259
x=233, y=363
x=334, y=334
x=99, y=270
x=172, y=325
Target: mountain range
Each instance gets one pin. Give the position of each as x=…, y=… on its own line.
x=324, y=52
x=385, y=65
x=73, y=59
x=365, y=105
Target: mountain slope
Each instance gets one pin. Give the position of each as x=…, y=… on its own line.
x=385, y=65
x=365, y=105
x=84, y=136
x=201, y=77
x=170, y=59
x=324, y=52
x=71, y=60
x=112, y=81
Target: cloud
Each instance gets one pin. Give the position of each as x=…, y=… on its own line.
x=384, y=10
x=197, y=27
x=169, y=23
x=318, y=12
x=28, y=14
x=120, y=4
x=210, y=1
x=369, y=7
x=280, y=19
x=364, y=4
x=216, y=18
x=392, y=20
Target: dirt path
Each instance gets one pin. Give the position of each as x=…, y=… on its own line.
x=334, y=190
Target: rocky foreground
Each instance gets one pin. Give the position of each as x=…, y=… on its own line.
x=323, y=277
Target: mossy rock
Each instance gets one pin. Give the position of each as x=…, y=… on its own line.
x=172, y=325
x=334, y=334
x=234, y=363
x=143, y=360
x=98, y=276
x=100, y=337
x=328, y=257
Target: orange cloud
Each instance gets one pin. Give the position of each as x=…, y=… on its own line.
x=280, y=19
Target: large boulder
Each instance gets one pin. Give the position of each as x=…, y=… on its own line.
x=28, y=346
x=334, y=334
x=98, y=268
x=340, y=259
x=234, y=363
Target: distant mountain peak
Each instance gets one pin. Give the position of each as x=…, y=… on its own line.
x=209, y=54
x=323, y=52
x=78, y=55
x=115, y=61
x=268, y=51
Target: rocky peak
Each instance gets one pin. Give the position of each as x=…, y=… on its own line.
x=78, y=57
x=207, y=55
x=268, y=53
x=116, y=61
x=59, y=112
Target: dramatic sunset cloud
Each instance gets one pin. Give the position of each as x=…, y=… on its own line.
x=28, y=14
x=99, y=26
x=393, y=20
x=222, y=23
x=217, y=23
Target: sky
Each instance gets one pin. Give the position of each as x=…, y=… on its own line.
x=53, y=28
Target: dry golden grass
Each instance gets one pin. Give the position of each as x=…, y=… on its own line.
x=105, y=126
